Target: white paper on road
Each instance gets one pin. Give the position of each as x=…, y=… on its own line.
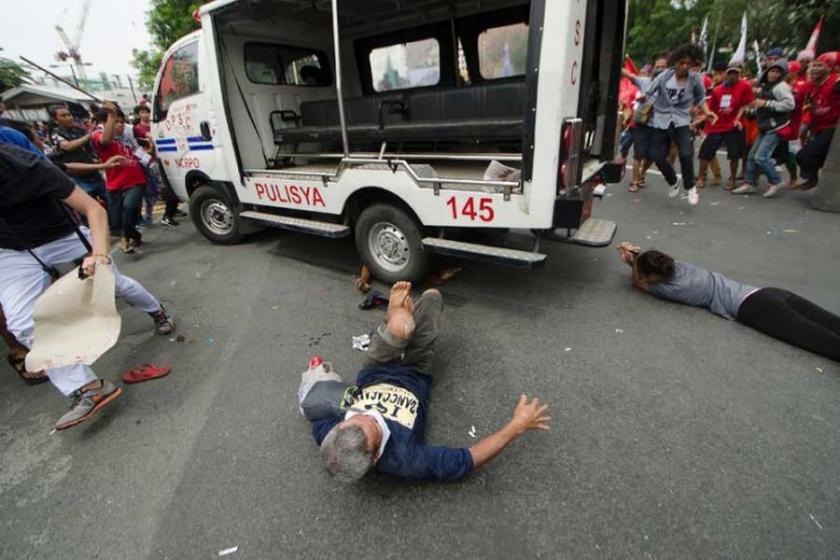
x=76, y=321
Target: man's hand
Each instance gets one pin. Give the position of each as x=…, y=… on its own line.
x=628, y=252
x=114, y=161
x=110, y=106
x=759, y=103
x=89, y=263
x=530, y=415
x=527, y=416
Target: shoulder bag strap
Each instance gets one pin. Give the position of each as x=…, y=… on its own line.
x=51, y=270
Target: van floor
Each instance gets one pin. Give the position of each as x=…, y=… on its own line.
x=429, y=168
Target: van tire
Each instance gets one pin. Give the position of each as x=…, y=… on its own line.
x=214, y=216
x=390, y=243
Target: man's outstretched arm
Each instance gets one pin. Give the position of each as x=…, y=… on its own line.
x=527, y=416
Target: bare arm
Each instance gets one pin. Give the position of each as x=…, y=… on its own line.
x=70, y=145
x=77, y=168
x=527, y=416
x=97, y=218
x=110, y=124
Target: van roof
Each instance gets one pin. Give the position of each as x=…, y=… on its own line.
x=356, y=15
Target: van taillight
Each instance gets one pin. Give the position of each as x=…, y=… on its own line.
x=568, y=173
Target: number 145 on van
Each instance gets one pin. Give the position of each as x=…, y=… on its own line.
x=472, y=208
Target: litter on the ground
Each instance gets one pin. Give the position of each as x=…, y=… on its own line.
x=567, y=349
x=227, y=551
x=374, y=299
x=275, y=307
x=819, y=369
x=361, y=342
x=209, y=341
x=790, y=231
x=619, y=331
x=679, y=223
x=471, y=433
x=814, y=519
x=715, y=203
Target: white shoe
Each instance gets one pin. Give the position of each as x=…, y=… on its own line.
x=746, y=188
x=773, y=190
x=674, y=191
x=693, y=196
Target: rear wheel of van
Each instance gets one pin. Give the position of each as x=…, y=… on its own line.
x=390, y=243
x=214, y=216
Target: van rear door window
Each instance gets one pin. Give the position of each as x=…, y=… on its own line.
x=502, y=51
x=406, y=65
x=288, y=66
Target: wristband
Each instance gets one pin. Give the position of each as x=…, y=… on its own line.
x=101, y=255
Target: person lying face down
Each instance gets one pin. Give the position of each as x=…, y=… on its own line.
x=773, y=311
x=383, y=425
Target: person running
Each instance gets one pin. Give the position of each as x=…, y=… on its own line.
x=673, y=94
x=728, y=101
x=823, y=95
x=384, y=426
x=774, y=105
x=772, y=311
x=36, y=235
x=126, y=183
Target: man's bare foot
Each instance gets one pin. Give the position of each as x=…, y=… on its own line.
x=399, y=292
x=409, y=304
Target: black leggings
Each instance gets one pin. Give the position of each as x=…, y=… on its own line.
x=792, y=319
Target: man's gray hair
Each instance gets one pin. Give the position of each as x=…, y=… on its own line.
x=345, y=454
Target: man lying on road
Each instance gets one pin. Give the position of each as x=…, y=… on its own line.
x=382, y=422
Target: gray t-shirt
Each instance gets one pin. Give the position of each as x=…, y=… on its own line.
x=695, y=286
x=673, y=101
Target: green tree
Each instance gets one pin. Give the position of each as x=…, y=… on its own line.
x=12, y=74
x=167, y=21
x=660, y=25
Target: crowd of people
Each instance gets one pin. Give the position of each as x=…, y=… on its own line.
x=783, y=118
x=86, y=143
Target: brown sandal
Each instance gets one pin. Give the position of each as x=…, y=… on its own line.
x=17, y=359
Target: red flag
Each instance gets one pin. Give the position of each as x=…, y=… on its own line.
x=627, y=90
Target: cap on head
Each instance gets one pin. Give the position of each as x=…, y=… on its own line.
x=794, y=67
x=735, y=67
x=830, y=59
x=778, y=52
x=720, y=66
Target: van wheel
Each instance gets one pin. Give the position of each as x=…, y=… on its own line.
x=214, y=216
x=391, y=244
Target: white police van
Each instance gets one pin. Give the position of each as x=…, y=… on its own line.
x=404, y=123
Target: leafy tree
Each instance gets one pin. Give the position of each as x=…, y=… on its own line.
x=12, y=74
x=167, y=21
x=660, y=25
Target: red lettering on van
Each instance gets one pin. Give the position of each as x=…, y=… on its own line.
x=290, y=194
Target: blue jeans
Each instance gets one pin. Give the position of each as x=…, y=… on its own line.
x=95, y=187
x=152, y=193
x=124, y=210
x=761, y=159
x=660, y=144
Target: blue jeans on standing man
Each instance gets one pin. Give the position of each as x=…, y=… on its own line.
x=124, y=210
x=761, y=159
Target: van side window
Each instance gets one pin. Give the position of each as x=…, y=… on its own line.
x=503, y=51
x=289, y=66
x=179, y=78
x=405, y=65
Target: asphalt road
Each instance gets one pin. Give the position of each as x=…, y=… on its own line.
x=676, y=434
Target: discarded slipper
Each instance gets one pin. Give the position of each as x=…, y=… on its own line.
x=17, y=359
x=146, y=372
x=374, y=299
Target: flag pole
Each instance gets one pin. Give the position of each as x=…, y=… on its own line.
x=714, y=45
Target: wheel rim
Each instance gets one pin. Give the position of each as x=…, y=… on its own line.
x=389, y=246
x=217, y=217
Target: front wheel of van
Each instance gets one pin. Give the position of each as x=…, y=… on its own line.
x=390, y=243
x=214, y=216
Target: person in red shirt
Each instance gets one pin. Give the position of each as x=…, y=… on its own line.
x=823, y=97
x=126, y=183
x=729, y=100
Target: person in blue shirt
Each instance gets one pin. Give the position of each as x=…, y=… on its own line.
x=9, y=135
x=380, y=423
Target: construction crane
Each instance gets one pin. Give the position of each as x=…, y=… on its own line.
x=72, y=53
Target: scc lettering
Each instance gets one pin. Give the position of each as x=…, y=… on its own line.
x=484, y=211
x=187, y=162
x=577, y=33
x=290, y=194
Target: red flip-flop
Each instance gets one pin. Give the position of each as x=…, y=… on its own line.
x=146, y=372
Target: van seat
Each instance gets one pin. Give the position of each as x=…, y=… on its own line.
x=487, y=111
